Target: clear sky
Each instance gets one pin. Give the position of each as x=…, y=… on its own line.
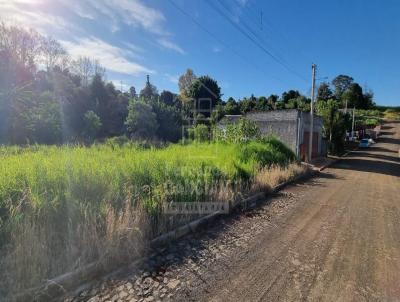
x=132, y=38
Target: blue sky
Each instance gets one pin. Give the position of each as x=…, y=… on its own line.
x=132, y=38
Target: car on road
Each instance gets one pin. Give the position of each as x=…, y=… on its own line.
x=364, y=143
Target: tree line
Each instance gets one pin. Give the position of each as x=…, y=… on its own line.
x=46, y=97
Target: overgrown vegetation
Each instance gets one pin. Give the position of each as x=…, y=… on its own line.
x=64, y=204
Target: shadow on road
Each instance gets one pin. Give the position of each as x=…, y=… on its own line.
x=387, y=133
x=373, y=149
x=366, y=165
x=376, y=156
x=389, y=140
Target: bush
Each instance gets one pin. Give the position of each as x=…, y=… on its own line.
x=201, y=133
x=242, y=131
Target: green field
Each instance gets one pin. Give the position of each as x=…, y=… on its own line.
x=102, y=174
x=55, y=201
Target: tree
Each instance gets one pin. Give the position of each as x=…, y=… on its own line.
x=334, y=124
x=132, y=92
x=92, y=124
x=185, y=82
x=341, y=84
x=83, y=67
x=262, y=104
x=272, y=99
x=100, y=102
x=354, y=96
x=167, y=97
x=288, y=95
x=369, y=99
x=205, y=93
x=53, y=52
x=169, y=122
x=217, y=114
x=149, y=91
x=25, y=46
x=301, y=103
x=248, y=104
x=324, y=92
x=231, y=107
x=36, y=118
x=141, y=121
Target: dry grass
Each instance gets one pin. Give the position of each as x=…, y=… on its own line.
x=45, y=246
x=39, y=251
x=267, y=178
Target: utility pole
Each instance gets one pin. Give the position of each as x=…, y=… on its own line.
x=314, y=67
x=352, y=125
x=345, y=108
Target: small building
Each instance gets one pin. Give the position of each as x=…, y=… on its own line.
x=291, y=126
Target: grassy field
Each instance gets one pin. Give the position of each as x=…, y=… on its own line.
x=65, y=206
x=392, y=114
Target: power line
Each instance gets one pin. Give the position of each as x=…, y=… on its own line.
x=276, y=30
x=220, y=41
x=255, y=34
x=266, y=51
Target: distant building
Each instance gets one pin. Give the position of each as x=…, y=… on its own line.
x=291, y=126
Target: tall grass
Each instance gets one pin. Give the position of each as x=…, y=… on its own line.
x=61, y=207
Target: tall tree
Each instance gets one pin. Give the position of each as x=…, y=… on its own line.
x=185, y=82
x=324, y=92
x=149, y=91
x=334, y=124
x=354, y=96
x=92, y=125
x=231, y=107
x=205, y=93
x=167, y=97
x=53, y=53
x=141, y=121
x=132, y=92
x=369, y=99
x=84, y=68
x=169, y=122
x=288, y=95
x=341, y=84
x=272, y=99
x=248, y=104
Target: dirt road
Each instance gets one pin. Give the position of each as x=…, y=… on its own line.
x=333, y=238
x=340, y=243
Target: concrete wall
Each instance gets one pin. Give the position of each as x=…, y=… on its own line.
x=279, y=123
x=286, y=131
x=290, y=126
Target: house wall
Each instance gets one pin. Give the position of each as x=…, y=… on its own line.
x=286, y=131
x=292, y=127
x=318, y=148
x=283, y=124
